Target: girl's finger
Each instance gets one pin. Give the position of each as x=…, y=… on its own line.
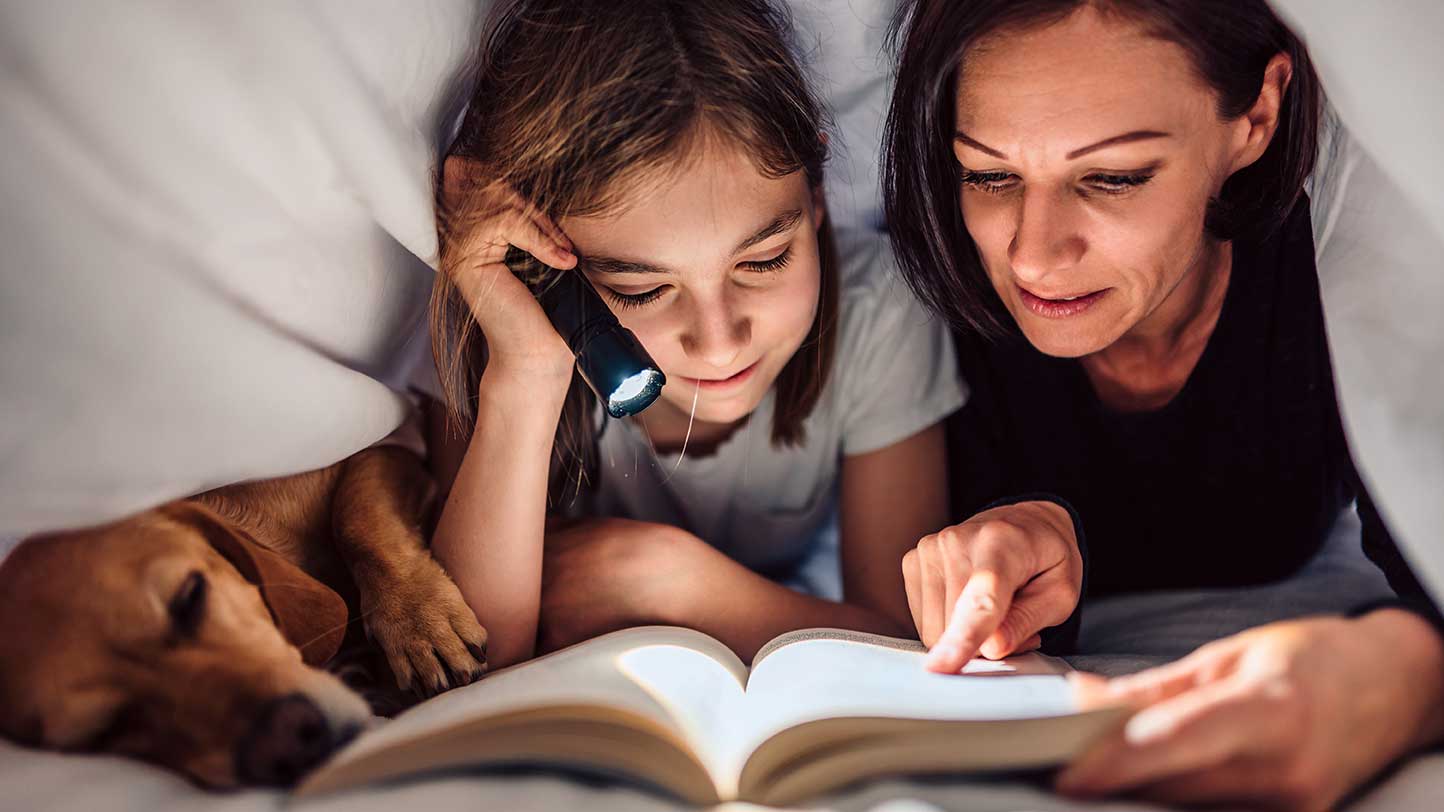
x=518, y=229
x=543, y=222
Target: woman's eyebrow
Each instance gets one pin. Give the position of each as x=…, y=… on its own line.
x=1126, y=138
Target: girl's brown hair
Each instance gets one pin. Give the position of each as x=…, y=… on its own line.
x=1230, y=43
x=572, y=100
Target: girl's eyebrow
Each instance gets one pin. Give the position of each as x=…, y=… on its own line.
x=779, y=224
x=610, y=265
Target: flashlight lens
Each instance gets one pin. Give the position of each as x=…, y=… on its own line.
x=635, y=393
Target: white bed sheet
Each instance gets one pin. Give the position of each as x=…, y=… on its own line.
x=1119, y=642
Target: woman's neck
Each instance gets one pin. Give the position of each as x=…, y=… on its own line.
x=1145, y=368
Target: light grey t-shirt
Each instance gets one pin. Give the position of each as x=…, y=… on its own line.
x=894, y=375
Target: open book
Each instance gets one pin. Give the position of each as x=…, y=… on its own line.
x=818, y=709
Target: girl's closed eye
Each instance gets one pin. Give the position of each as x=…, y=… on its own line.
x=774, y=264
x=626, y=300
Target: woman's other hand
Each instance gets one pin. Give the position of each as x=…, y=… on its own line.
x=989, y=585
x=482, y=219
x=1292, y=715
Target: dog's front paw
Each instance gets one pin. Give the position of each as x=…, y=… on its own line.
x=429, y=635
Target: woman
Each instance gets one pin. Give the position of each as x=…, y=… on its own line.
x=672, y=151
x=1107, y=198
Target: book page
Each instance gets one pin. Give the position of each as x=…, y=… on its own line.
x=647, y=670
x=819, y=675
x=704, y=700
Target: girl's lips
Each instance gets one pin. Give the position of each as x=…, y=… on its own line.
x=714, y=384
x=1060, y=308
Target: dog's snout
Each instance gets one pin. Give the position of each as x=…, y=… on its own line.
x=289, y=736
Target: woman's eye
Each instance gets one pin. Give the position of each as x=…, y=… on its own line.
x=777, y=263
x=187, y=606
x=993, y=182
x=635, y=299
x=1117, y=184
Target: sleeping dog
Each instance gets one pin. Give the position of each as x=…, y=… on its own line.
x=191, y=635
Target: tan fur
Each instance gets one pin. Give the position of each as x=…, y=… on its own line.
x=90, y=658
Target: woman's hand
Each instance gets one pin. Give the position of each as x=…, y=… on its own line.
x=482, y=220
x=600, y=575
x=991, y=584
x=1292, y=714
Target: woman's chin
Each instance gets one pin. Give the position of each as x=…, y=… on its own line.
x=1063, y=341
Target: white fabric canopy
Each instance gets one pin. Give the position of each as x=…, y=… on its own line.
x=211, y=217
x=1379, y=218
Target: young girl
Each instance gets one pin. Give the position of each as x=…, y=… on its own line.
x=674, y=150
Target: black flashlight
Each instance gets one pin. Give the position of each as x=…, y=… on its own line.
x=611, y=360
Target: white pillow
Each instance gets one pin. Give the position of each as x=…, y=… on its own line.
x=216, y=220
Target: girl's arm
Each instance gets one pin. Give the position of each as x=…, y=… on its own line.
x=489, y=536
x=607, y=574
x=891, y=498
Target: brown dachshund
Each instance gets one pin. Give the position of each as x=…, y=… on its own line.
x=190, y=635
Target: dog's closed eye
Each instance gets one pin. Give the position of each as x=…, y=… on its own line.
x=188, y=606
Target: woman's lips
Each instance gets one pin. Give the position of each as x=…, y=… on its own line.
x=1060, y=307
x=716, y=384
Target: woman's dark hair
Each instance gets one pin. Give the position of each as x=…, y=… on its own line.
x=1230, y=43
x=572, y=100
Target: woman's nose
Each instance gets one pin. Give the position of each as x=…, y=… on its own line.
x=1045, y=239
x=717, y=335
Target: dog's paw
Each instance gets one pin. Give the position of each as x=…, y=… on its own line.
x=429, y=635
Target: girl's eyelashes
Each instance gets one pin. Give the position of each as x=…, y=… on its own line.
x=772, y=265
x=1113, y=183
x=777, y=263
x=626, y=300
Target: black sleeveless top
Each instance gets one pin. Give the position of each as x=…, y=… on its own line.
x=1235, y=481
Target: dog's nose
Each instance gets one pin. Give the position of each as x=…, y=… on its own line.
x=289, y=736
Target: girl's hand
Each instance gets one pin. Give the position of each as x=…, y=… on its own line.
x=1291, y=715
x=991, y=584
x=600, y=575
x=482, y=219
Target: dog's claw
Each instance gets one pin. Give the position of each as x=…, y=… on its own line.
x=478, y=652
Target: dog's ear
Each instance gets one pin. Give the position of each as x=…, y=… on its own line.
x=309, y=614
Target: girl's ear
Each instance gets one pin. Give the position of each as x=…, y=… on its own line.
x=458, y=173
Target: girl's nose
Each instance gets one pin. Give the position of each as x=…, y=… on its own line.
x=717, y=336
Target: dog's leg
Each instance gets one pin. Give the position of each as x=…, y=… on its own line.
x=408, y=604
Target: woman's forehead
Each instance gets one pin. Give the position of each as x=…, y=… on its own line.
x=1087, y=77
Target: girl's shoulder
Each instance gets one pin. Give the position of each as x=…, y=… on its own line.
x=895, y=369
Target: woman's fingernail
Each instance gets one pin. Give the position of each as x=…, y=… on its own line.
x=1146, y=727
x=940, y=655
